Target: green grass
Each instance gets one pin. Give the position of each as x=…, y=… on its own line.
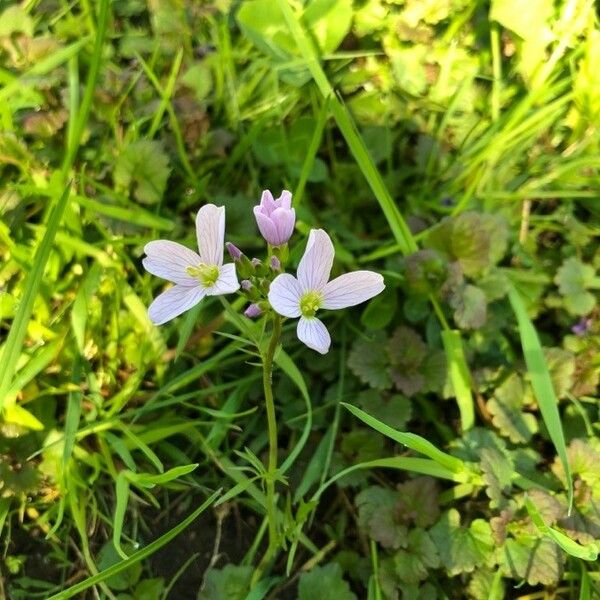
x=452, y=147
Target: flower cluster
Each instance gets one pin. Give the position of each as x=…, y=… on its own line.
x=264, y=283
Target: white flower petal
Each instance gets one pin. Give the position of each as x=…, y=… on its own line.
x=314, y=334
x=352, y=289
x=227, y=283
x=284, y=295
x=210, y=231
x=265, y=225
x=173, y=302
x=285, y=199
x=315, y=265
x=169, y=260
x=267, y=203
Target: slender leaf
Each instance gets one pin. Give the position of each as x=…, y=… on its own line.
x=138, y=556
x=411, y=440
x=541, y=383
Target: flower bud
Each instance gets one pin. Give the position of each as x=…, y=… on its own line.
x=275, y=264
x=234, y=251
x=253, y=311
x=275, y=218
x=246, y=285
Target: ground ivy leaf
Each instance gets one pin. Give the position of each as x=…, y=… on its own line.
x=144, y=165
x=561, y=364
x=418, y=501
x=499, y=524
x=470, y=307
x=475, y=240
x=359, y=445
x=506, y=408
x=435, y=371
x=394, y=411
x=425, y=271
x=481, y=584
x=462, y=549
x=534, y=559
x=378, y=515
x=232, y=582
x=325, y=583
x=469, y=447
x=497, y=473
x=549, y=507
x=407, y=351
x=583, y=525
x=413, y=564
x=123, y=580
x=573, y=278
x=470, y=243
x=381, y=310
x=584, y=459
x=368, y=360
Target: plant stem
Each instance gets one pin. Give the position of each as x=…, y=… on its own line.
x=267, y=360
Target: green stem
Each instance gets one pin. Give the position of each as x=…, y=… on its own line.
x=272, y=427
x=267, y=360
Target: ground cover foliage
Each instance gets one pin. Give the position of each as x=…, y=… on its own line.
x=447, y=445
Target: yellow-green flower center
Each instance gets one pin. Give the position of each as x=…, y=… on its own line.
x=310, y=303
x=207, y=275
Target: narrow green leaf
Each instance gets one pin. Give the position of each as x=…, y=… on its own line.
x=423, y=466
x=36, y=364
x=121, y=498
x=72, y=415
x=4, y=508
x=135, y=216
x=147, y=480
x=138, y=556
x=584, y=590
x=236, y=490
x=43, y=67
x=287, y=365
x=588, y=552
x=346, y=124
x=541, y=383
x=411, y=440
x=18, y=330
x=460, y=377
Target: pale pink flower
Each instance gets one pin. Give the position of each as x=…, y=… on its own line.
x=311, y=290
x=194, y=275
x=275, y=218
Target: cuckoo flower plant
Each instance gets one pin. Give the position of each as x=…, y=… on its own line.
x=303, y=296
x=195, y=275
x=275, y=218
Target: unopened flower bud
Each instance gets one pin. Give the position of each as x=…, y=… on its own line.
x=256, y=262
x=234, y=251
x=275, y=218
x=246, y=285
x=253, y=311
x=275, y=263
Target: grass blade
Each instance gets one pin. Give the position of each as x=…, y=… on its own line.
x=541, y=383
x=410, y=440
x=18, y=330
x=345, y=122
x=587, y=552
x=404, y=237
x=423, y=466
x=136, y=557
x=460, y=377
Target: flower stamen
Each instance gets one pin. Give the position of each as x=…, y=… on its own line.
x=310, y=303
x=207, y=275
